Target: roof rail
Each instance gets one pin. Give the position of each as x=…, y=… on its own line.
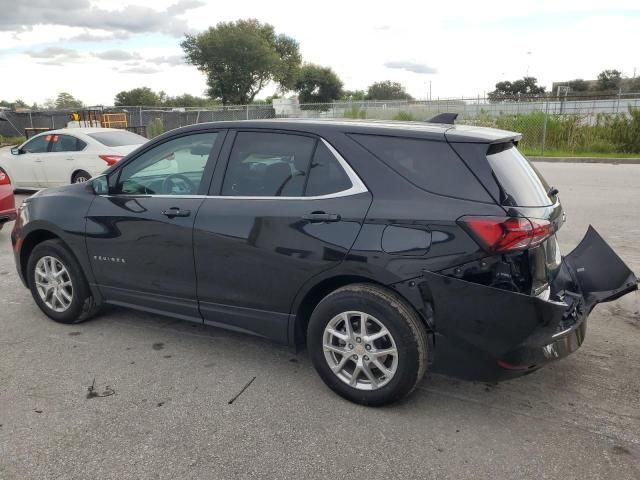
x=446, y=118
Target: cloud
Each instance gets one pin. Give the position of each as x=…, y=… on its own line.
x=55, y=56
x=140, y=69
x=51, y=52
x=23, y=15
x=117, y=55
x=411, y=67
x=174, y=60
x=90, y=37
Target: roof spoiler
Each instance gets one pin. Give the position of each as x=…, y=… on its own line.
x=446, y=118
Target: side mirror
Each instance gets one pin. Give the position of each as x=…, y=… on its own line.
x=100, y=185
x=16, y=151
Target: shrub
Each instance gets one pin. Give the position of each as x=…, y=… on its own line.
x=155, y=128
x=11, y=140
x=355, y=112
x=404, y=116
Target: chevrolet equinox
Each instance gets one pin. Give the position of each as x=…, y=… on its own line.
x=380, y=245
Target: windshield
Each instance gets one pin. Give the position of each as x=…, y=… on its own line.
x=522, y=184
x=118, y=138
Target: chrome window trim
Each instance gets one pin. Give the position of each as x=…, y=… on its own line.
x=357, y=187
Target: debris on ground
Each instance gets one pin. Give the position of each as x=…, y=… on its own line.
x=92, y=393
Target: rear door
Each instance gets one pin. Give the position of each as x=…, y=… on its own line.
x=284, y=208
x=62, y=160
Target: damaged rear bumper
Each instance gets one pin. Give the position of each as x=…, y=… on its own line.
x=515, y=332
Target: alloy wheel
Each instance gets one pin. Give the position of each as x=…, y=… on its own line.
x=53, y=283
x=360, y=350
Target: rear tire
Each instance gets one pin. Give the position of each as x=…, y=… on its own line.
x=388, y=356
x=80, y=177
x=58, y=285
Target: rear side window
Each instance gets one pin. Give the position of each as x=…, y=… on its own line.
x=265, y=164
x=521, y=183
x=326, y=175
x=118, y=138
x=66, y=143
x=430, y=165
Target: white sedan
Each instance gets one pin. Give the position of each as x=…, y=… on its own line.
x=68, y=155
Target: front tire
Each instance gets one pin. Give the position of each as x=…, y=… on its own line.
x=58, y=285
x=367, y=344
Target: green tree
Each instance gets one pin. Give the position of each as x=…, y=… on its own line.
x=187, y=100
x=354, y=95
x=65, y=101
x=633, y=85
x=13, y=105
x=578, y=85
x=609, y=80
x=137, y=96
x=240, y=58
x=317, y=84
x=526, y=86
x=387, y=90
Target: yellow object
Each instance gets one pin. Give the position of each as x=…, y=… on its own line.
x=114, y=120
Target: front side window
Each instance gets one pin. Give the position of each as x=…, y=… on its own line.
x=264, y=164
x=37, y=144
x=171, y=168
x=66, y=143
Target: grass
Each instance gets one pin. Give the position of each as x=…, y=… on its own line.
x=566, y=153
x=11, y=140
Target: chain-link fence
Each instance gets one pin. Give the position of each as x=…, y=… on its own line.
x=556, y=125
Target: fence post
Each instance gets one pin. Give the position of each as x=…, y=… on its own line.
x=544, y=128
x=140, y=112
x=247, y=112
x=619, y=95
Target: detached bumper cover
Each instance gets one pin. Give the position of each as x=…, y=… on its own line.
x=521, y=332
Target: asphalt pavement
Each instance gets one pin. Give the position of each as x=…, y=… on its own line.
x=159, y=406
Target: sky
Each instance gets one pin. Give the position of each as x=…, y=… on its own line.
x=95, y=49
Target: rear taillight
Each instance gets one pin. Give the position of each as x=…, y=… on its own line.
x=503, y=234
x=111, y=159
x=4, y=179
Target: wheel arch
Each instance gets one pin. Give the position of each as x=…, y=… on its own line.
x=41, y=234
x=308, y=300
x=75, y=171
x=30, y=242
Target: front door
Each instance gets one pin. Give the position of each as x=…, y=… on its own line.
x=26, y=168
x=139, y=237
x=287, y=209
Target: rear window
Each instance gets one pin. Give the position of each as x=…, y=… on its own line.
x=521, y=183
x=118, y=138
x=430, y=165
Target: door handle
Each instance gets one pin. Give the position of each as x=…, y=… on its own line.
x=317, y=217
x=176, y=212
